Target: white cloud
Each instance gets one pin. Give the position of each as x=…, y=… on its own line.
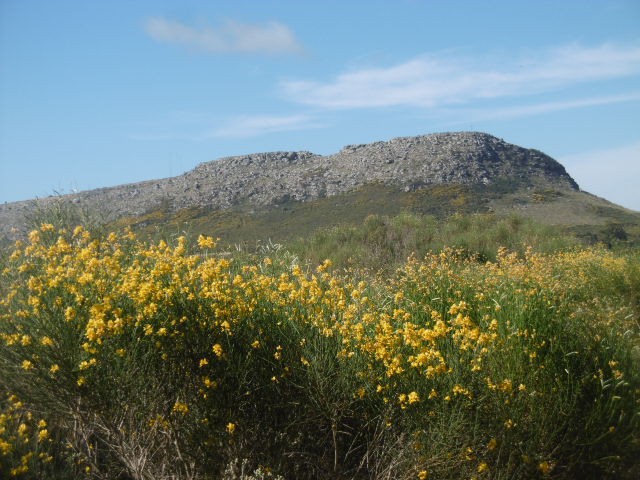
x=501, y=113
x=432, y=80
x=253, y=125
x=613, y=173
x=231, y=37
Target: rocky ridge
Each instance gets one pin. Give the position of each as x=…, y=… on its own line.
x=261, y=179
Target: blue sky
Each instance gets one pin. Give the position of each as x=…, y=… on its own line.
x=99, y=93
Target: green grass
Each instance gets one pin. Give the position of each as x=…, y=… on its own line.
x=387, y=242
x=574, y=213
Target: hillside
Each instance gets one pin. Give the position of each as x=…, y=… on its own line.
x=283, y=194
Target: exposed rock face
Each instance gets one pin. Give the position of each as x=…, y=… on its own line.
x=270, y=178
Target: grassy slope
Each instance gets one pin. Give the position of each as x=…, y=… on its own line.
x=589, y=217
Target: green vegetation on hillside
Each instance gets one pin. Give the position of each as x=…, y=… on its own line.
x=129, y=359
x=386, y=242
x=578, y=214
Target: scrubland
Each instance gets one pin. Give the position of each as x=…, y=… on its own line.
x=123, y=358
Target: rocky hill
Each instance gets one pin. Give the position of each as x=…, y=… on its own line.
x=263, y=179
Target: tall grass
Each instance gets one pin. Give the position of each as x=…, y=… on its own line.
x=387, y=242
x=125, y=359
x=65, y=213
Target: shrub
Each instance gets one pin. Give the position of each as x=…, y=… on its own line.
x=146, y=361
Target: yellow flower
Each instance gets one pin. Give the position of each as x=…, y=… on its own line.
x=545, y=467
x=493, y=443
x=42, y=423
x=5, y=447
x=22, y=429
x=43, y=435
x=180, y=407
x=217, y=349
x=86, y=364
x=460, y=390
x=413, y=397
x=470, y=455
x=45, y=457
x=21, y=470
x=483, y=467
x=69, y=314
x=46, y=341
x=231, y=427
x=206, y=242
x=209, y=383
x=423, y=475
x=34, y=237
x=203, y=362
x=505, y=386
x=54, y=368
x=325, y=266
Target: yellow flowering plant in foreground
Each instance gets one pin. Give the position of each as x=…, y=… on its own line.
x=120, y=350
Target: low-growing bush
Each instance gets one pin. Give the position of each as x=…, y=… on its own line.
x=126, y=360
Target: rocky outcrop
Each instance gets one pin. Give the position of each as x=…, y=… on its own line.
x=409, y=163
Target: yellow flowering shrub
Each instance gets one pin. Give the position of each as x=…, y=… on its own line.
x=25, y=444
x=150, y=346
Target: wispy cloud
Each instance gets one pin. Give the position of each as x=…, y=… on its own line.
x=230, y=37
x=254, y=125
x=613, y=173
x=438, y=80
x=503, y=113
